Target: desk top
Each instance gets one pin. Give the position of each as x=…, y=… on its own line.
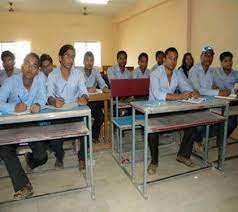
x=153, y=107
x=99, y=97
x=45, y=115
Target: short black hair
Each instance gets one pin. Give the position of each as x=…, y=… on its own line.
x=159, y=53
x=170, y=49
x=121, y=52
x=88, y=54
x=65, y=48
x=7, y=54
x=223, y=55
x=32, y=54
x=45, y=57
x=143, y=54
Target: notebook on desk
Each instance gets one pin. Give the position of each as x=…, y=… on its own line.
x=193, y=100
x=231, y=97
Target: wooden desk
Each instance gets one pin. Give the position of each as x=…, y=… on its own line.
x=35, y=133
x=170, y=119
x=105, y=97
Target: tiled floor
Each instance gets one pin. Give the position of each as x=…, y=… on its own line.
x=207, y=190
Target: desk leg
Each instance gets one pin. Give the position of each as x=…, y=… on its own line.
x=145, y=156
x=222, y=149
x=106, y=125
x=133, y=146
x=206, y=144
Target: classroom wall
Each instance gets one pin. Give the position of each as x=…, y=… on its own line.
x=186, y=24
x=215, y=22
x=163, y=24
x=48, y=32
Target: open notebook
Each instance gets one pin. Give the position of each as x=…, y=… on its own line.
x=231, y=97
x=193, y=100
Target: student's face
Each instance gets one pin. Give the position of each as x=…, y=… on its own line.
x=170, y=61
x=30, y=67
x=46, y=67
x=227, y=63
x=160, y=59
x=88, y=63
x=122, y=60
x=8, y=64
x=188, y=61
x=143, y=63
x=206, y=59
x=67, y=60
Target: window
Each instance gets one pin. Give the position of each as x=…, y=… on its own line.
x=82, y=47
x=19, y=48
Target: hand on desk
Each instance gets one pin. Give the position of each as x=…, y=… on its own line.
x=20, y=107
x=59, y=102
x=105, y=90
x=35, y=108
x=92, y=90
x=185, y=95
x=83, y=100
x=225, y=92
x=195, y=94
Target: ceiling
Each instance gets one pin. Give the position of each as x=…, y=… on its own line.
x=113, y=8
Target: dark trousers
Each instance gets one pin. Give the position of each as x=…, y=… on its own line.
x=97, y=114
x=185, y=150
x=17, y=174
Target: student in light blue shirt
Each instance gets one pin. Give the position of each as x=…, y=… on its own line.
x=119, y=71
x=66, y=85
x=8, y=62
x=93, y=79
x=163, y=83
x=202, y=75
x=225, y=76
x=17, y=94
x=46, y=66
x=142, y=72
x=159, y=56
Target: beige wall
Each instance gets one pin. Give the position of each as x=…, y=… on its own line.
x=215, y=22
x=186, y=24
x=160, y=26
x=48, y=32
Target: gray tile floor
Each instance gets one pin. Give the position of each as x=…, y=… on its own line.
x=207, y=190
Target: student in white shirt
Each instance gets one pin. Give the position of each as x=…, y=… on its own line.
x=159, y=57
x=8, y=62
x=93, y=79
x=119, y=71
x=163, y=83
x=142, y=72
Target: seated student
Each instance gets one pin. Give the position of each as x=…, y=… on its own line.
x=17, y=93
x=159, y=56
x=93, y=79
x=163, y=83
x=119, y=71
x=187, y=64
x=202, y=75
x=46, y=65
x=142, y=72
x=66, y=85
x=8, y=62
x=225, y=77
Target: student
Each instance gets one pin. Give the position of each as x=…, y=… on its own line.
x=225, y=76
x=119, y=71
x=163, y=83
x=17, y=93
x=159, y=56
x=66, y=85
x=202, y=75
x=187, y=64
x=142, y=72
x=46, y=65
x=8, y=62
x=93, y=79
